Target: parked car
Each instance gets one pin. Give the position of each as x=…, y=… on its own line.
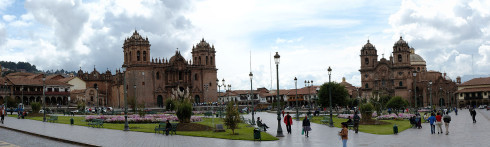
x=482, y=107
x=488, y=108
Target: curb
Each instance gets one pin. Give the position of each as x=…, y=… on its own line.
x=51, y=138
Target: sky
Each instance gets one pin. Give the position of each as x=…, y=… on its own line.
x=453, y=36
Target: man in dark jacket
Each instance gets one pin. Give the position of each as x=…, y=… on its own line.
x=473, y=114
x=447, y=119
x=356, y=122
x=168, y=127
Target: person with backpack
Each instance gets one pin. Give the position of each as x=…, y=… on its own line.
x=447, y=119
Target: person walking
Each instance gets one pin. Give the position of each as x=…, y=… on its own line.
x=356, y=121
x=2, y=113
x=306, y=126
x=447, y=119
x=455, y=110
x=431, y=121
x=288, y=121
x=439, y=123
x=473, y=114
x=344, y=133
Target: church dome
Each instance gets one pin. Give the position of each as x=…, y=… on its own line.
x=176, y=58
x=401, y=42
x=368, y=46
x=416, y=59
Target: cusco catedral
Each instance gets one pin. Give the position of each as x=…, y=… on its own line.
x=244, y=73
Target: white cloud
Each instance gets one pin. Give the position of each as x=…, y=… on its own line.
x=8, y=18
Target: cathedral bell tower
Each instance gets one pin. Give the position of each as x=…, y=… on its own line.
x=401, y=53
x=204, y=54
x=136, y=50
x=369, y=56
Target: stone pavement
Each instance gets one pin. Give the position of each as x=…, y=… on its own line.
x=462, y=133
x=14, y=138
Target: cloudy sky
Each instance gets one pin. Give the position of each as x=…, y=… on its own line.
x=452, y=35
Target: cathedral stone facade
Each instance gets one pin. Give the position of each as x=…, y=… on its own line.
x=151, y=80
x=395, y=77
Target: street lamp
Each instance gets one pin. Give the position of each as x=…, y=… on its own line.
x=309, y=84
x=219, y=89
x=44, y=98
x=430, y=93
x=98, y=101
x=415, y=87
x=330, y=94
x=279, y=128
x=252, y=97
x=5, y=97
x=297, y=109
x=126, y=126
x=135, y=100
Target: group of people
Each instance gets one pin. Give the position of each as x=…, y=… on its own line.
x=436, y=120
x=416, y=121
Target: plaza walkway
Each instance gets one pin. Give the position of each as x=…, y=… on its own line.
x=462, y=133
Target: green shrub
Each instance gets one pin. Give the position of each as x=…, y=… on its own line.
x=169, y=104
x=36, y=106
x=141, y=110
x=184, y=111
x=81, y=106
x=367, y=111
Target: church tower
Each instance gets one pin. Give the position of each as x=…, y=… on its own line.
x=204, y=54
x=401, y=53
x=369, y=56
x=136, y=50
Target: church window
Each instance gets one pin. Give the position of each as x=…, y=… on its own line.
x=461, y=94
x=366, y=85
x=95, y=86
x=366, y=75
x=158, y=75
x=199, y=60
x=418, y=68
x=144, y=55
x=143, y=83
x=195, y=60
x=211, y=61
x=180, y=75
x=400, y=83
x=206, y=60
x=130, y=56
x=195, y=77
x=366, y=60
x=399, y=58
x=91, y=98
x=138, y=55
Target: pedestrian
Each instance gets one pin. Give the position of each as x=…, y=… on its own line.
x=447, y=119
x=418, y=121
x=455, y=110
x=473, y=114
x=356, y=121
x=282, y=113
x=431, y=121
x=306, y=126
x=168, y=127
x=439, y=123
x=2, y=113
x=288, y=121
x=344, y=133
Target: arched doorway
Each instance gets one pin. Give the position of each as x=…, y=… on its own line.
x=441, y=102
x=160, y=101
x=197, y=99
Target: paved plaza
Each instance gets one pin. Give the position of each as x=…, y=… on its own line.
x=462, y=133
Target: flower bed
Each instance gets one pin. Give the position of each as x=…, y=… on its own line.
x=394, y=116
x=150, y=118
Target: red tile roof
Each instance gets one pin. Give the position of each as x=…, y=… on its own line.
x=477, y=81
x=480, y=89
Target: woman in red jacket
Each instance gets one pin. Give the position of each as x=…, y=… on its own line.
x=288, y=121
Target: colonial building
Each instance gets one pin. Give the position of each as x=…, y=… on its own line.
x=474, y=92
x=396, y=76
x=151, y=80
x=98, y=88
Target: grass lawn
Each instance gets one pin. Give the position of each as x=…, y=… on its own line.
x=244, y=132
x=372, y=129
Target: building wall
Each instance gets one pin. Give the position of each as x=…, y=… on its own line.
x=78, y=84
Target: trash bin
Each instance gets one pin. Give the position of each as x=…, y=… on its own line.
x=257, y=134
x=395, y=129
x=71, y=121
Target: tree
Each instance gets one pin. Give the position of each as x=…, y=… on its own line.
x=183, y=104
x=36, y=106
x=396, y=103
x=366, y=112
x=169, y=104
x=232, y=117
x=339, y=94
x=132, y=103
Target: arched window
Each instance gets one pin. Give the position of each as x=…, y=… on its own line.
x=366, y=85
x=158, y=75
x=399, y=58
x=95, y=86
x=366, y=60
x=400, y=83
x=199, y=60
x=144, y=55
x=138, y=55
x=211, y=61
x=195, y=60
x=195, y=77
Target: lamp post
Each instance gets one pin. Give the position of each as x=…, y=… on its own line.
x=206, y=87
x=307, y=84
x=5, y=97
x=219, y=89
x=126, y=126
x=98, y=101
x=430, y=93
x=415, y=88
x=279, y=128
x=44, y=98
x=252, y=97
x=296, y=87
x=330, y=94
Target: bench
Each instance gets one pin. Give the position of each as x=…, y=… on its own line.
x=96, y=123
x=163, y=127
x=53, y=119
x=219, y=128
